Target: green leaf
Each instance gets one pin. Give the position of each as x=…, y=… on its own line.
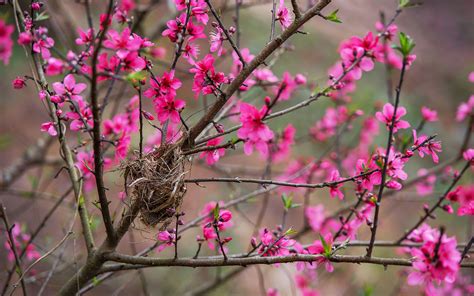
x=42, y=16
x=215, y=212
x=81, y=200
x=333, y=17
x=96, y=281
x=291, y=231
x=287, y=201
x=135, y=77
x=407, y=4
x=406, y=44
x=326, y=246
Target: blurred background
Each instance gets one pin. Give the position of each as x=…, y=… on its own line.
x=444, y=36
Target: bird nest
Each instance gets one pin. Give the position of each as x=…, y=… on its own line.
x=156, y=182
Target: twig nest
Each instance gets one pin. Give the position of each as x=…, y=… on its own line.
x=156, y=182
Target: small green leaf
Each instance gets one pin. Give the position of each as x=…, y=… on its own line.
x=215, y=212
x=287, y=202
x=406, y=44
x=135, y=77
x=81, y=200
x=42, y=16
x=333, y=17
x=290, y=231
x=406, y=4
x=326, y=246
x=96, y=281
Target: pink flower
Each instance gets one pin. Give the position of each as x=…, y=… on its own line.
x=425, y=186
x=369, y=180
x=212, y=156
x=25, y=38
x=20, y=239
x=283, y=15
x=19, y=82
x=286, y=87
x=464, y=195
x=428, y=114
x=334, y=189
x=50, y=128
x=167, y=240
x=387, y=116
x=253, y=131
x=435, y=261
x=42, y=43
x=465, y=109
x=206, y=79
x=168, y=109
x=123, y=43
x=69, y=88
x=469, y=155
x=165, y=86
x=83, y=114
x=85, y=37
x=6, y=43
x=315, y=216
x=54, y=67
x=270, y=246
x=429, y=148
x=217, y=38
x=318, y=248
x=285, y=141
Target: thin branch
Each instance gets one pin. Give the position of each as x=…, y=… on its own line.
x=385, y=164
x=11, y=241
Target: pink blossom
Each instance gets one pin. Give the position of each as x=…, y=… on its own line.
x=167, y=240
x=286, y=87
x=217, y=38
x=464, y=195
x=469, y=155
x=85, y=37
x=274, y=246
x=315, y=216
x=43, y=43
x=25, y=38
x=83, y=114
x=465, y=109
x=285, y=141
x=317, y=248
x=253, y=131
x=168, y=108
x=369, y=180
x=429, y=148
x=206, y=79
x=283, y=15
x=20, y=239
x=123, y=42
x=428, y=114
x=50, y=128
x=54, y=67
x=212, y=156
x=164, y=86
x=425, y=186
x=6, y=43
x=334, y=190
x=387, y=116
x=19, y=82
x=436, y=260
x=69, y=88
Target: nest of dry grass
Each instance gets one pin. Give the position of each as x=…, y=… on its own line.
x=156, y=182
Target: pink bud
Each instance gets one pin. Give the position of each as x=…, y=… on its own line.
x=36, y=6
x=24, y=38
x=225, y=216
x=148, y=115
x=448, y=208
x=300, y=79
x=267, y=100
x=232, y=30
x=42, y=94
x=57, y=99
x=19, y=83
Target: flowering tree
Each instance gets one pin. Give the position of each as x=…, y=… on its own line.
x=100, y=131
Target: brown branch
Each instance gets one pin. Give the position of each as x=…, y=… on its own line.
x=11, y=241
x=385, y=164
x=257, y=61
